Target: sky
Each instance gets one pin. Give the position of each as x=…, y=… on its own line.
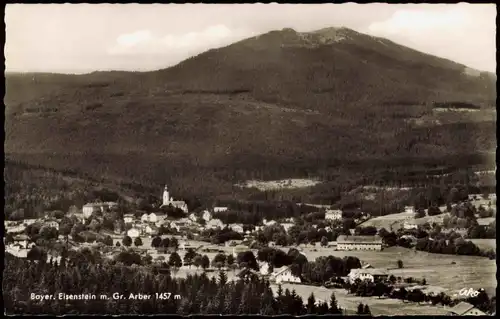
x=80, y=38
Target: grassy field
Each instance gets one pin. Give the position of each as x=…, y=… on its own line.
x=377, y=306
x=395, y=221
x=485, y=221
x=485, y=243
x=437, y=269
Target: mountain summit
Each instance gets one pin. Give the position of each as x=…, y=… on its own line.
x=281, y=99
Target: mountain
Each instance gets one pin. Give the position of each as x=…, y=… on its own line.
x=279, y=104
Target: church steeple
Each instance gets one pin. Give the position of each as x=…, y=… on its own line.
x=166, y=196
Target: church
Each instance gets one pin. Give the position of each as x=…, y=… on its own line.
x=167, y=200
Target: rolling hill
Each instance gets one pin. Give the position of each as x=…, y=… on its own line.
x=282, y=104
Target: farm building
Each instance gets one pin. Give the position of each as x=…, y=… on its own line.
x=214, y=223
x=359, y=243
x=465, y=309
x=333, y=214
x=284, y=274
x=264, y=268
x=151, y=230
x=268, y=222
x=237, y=228
x=410, y=225
x=220, y=209
x=371, y=274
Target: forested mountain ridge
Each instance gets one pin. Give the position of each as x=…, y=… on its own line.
x=281, y=104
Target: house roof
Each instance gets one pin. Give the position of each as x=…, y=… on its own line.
x=371, y=271
x=461, y=308
x=359, y=239
x=280, y=270
x=366, y=266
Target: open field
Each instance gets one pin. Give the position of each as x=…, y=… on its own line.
x=280, y=184
x=383, y=306
x=437, y=269
x=395, y=221
x=485, y=221
x=485, y=243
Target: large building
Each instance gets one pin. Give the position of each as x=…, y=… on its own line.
x=284, y=274
x=465, y=309
x=333, y=214
x=359, y=242
x=167, y=201
x=370, y=274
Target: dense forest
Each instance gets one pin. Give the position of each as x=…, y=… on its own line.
x=196, y=294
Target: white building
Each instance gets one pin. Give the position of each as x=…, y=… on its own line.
x=410, y=209
x=287, y=226
x=52, y=223
x=90, y=208
x=207, y=216
x=128, y=218
x=167, y=200
x=29, y=221
x=410, y=225
x=152, y=218
x=268, y=222
x=214, y=223
x=359, y=242
x=284, y=274
x=220, y=209
x=152, y=230
x=370, y=274
x=333, y=214
x=145, y=218
x=133, y=233
x=237, y=228
x=264, y=268
x=193, y=217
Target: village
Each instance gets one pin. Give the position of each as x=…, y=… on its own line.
x=186, y=241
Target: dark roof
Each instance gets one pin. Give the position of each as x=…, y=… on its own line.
x=358, y=239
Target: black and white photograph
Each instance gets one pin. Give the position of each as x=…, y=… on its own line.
x=250, y=159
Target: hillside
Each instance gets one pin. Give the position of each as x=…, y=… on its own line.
x=283, y=104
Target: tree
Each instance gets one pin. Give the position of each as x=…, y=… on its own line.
x=127, y=241
x=197, y=261
x=361, y=309
x=366, y=310
x=175, y=260
x=118, y=244
x=205, y=262
x=189, y=256
x=400, y=263
x=108, y=241
x=229, y=260
x=324, y=241
x=156, y=242
x=138, y=241
x=311, y=304
x=334, y=309
x=248, y=258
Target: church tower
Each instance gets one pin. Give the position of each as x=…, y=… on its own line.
x=166, y=196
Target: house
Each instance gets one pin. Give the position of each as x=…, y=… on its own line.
x=133, y=232
x=371, y=274
x=236, y=228
x=239, y=249
x=169, y=201
x=409, y=210
x=214, y=223
x=410, y=225
x=193, y=217
x=271, y=244
x=128, y=218
x=152, y=230
x=333, y=214
x=52, y=223
x=465, y=309
x=220, y=209
x=284, y=274
x=268, y=222
x=29, y=221
x=153, y=218
x=90, y=208
x=359, y=242
x=366, y=266
x=287, y=226
x=264, y=268
x=207, y=216
x=145, y=218
x=21, y=241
